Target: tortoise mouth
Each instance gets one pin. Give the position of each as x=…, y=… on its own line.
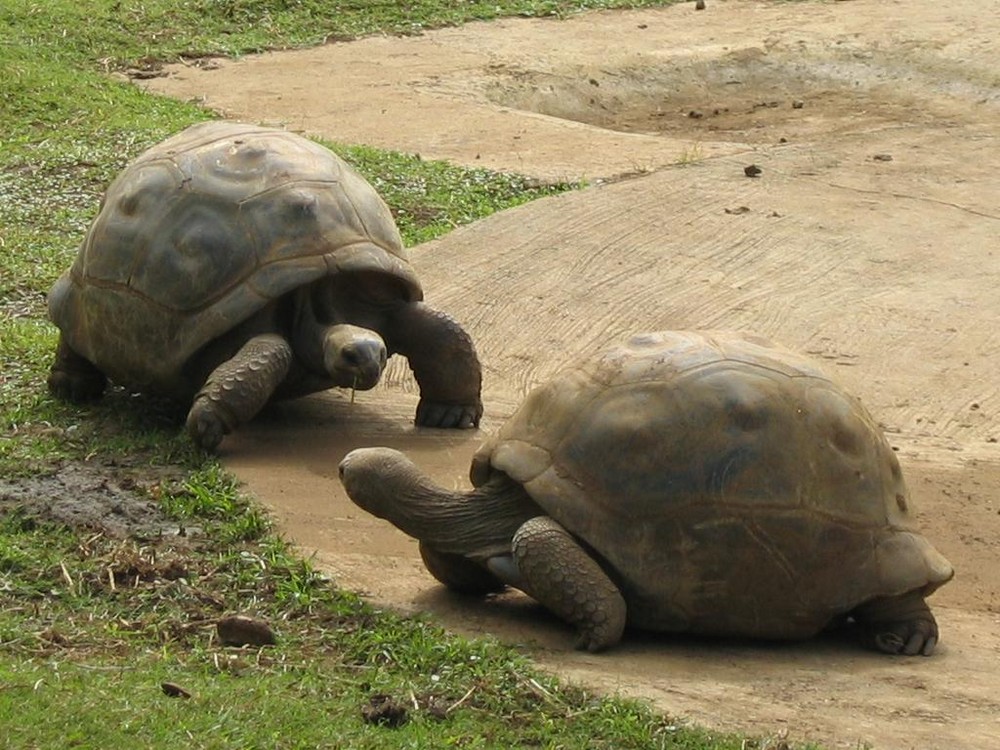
x=359, y=381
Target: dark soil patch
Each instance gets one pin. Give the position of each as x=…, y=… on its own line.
x=95, y=496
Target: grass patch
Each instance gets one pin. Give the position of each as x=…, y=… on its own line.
x=92, y=626
x=127, y=33
x=94, y=621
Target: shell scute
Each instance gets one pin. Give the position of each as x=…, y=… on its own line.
x=193, y=256
x=305, y=219
x=130, y=207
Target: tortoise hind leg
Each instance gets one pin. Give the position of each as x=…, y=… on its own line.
x=238, y=389
x=74, y=377
x=898, y=624
x=459, y=573
x=564, y=578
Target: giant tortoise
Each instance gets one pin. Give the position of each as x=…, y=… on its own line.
x=232, y=264
x=709, y=483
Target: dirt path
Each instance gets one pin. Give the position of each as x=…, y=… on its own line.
x=870, y=240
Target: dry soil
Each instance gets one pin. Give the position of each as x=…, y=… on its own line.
x=869, y=239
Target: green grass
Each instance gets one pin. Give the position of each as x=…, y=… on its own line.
x=91, y=627
x=91, y=624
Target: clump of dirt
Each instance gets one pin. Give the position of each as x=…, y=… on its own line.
x=385, y=710
x=94, y=496
x=240, y=630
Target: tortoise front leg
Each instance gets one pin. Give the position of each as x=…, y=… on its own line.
x=444, y=363
x=238, y=389
x=564, y=578
x=75, y=377
x=898, y=624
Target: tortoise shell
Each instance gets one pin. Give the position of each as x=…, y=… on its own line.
x=207, y=228
x=726, y=484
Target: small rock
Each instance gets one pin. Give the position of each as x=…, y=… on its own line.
x=752, y=170
x=882, y=157
x=239, y=630
x=798, y=104
x=737, y=210
x=174, y=690
x=699, y=5
x=695, y=114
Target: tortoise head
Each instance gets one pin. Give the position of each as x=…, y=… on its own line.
x=339, y=325
x=353, y=357
x=479, y=523
x=388, y=485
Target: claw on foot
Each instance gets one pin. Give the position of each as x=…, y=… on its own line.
x=435, y=414
x=900, y=625
x=205, y=426
x=892, y=642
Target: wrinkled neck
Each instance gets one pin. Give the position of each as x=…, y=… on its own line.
x=308, y=332
x=478, y=524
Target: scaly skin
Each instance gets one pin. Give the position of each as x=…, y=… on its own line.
x=476, y=541
x=444, y=363
x=238, y=388
x=564, y=578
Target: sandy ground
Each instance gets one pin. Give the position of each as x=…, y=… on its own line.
x=869, y=240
